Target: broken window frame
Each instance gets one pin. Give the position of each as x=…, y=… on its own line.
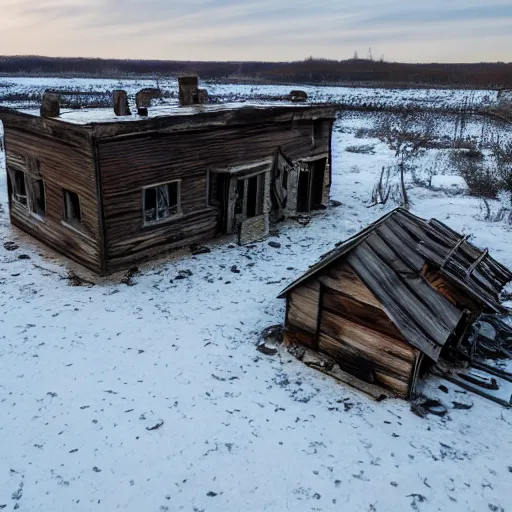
x=37, y=206
x=20, y=196
x=28, y=199
x=282, y=168
x=70, y=210
x=160, y=218
x=241, y=202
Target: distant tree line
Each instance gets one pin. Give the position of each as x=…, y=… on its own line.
x=310, y=70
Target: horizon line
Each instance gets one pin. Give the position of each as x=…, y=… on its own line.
x=305, y=59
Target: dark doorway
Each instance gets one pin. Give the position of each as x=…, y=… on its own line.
x=219, y=197
x=310, y=189
x=252, y=197
x=303, y=192
x=317, y=183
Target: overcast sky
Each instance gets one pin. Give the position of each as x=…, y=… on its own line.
x=401, y=30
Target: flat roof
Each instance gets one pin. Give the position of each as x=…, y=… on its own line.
x=86, y=116
x=102, y=123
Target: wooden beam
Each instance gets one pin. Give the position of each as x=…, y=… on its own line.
x=476, y=263
x=477, y=390
x=454, y=250
x=493, y=371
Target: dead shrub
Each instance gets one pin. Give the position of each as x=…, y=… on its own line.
x=382, y=189
x=503, y=155
x=364, y=149
x=489, y=214
x=363, y=133
x=474, y=154
x=482, y=181
x=387, y=188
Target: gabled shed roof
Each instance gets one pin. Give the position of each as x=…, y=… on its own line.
x=389, y=256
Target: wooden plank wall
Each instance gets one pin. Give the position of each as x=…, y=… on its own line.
x=302, y=312
x=64, y=158
x=337, y=314
x=129, y=163
x=356, y=331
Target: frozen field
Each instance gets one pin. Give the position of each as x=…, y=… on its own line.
x=11, y=88
x=86, y=371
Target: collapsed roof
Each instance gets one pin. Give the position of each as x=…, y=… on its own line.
x=389, y=257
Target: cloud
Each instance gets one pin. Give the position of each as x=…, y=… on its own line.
x=423, y=15
x=259, y=29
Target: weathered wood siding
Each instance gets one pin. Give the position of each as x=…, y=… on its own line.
x=343, y=279
x=337, y=314
x=63, y=157
x=129, y=163
x=366, y=353
x=303, y=310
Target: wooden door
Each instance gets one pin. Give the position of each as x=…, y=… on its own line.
x=248, y=211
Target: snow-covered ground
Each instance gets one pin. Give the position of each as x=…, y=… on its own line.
x=86, y=371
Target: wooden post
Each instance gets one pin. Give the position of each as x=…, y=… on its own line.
x=120, y=100
x=50, y=106
x=188, y=90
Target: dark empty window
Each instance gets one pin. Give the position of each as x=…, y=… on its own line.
x=72, y=210
x=20, y=188
x=28, y=191
x=37, y=197
x=161, y=202
x=320, y=131
x=250, y=196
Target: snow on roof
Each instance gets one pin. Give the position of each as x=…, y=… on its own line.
x=85, y=116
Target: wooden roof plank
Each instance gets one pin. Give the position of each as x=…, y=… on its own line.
x=431, y=310
x=435, y=303
x=399, y=240
x=370, y=270
x=446, y=231
x=336, y=253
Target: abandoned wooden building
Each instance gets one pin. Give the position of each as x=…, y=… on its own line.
x=109, y=190
x=393, y=299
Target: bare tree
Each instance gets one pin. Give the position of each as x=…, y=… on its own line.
x=407, y=141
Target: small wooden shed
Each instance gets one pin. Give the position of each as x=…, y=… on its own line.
x=392, y=297
x=109, y=190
